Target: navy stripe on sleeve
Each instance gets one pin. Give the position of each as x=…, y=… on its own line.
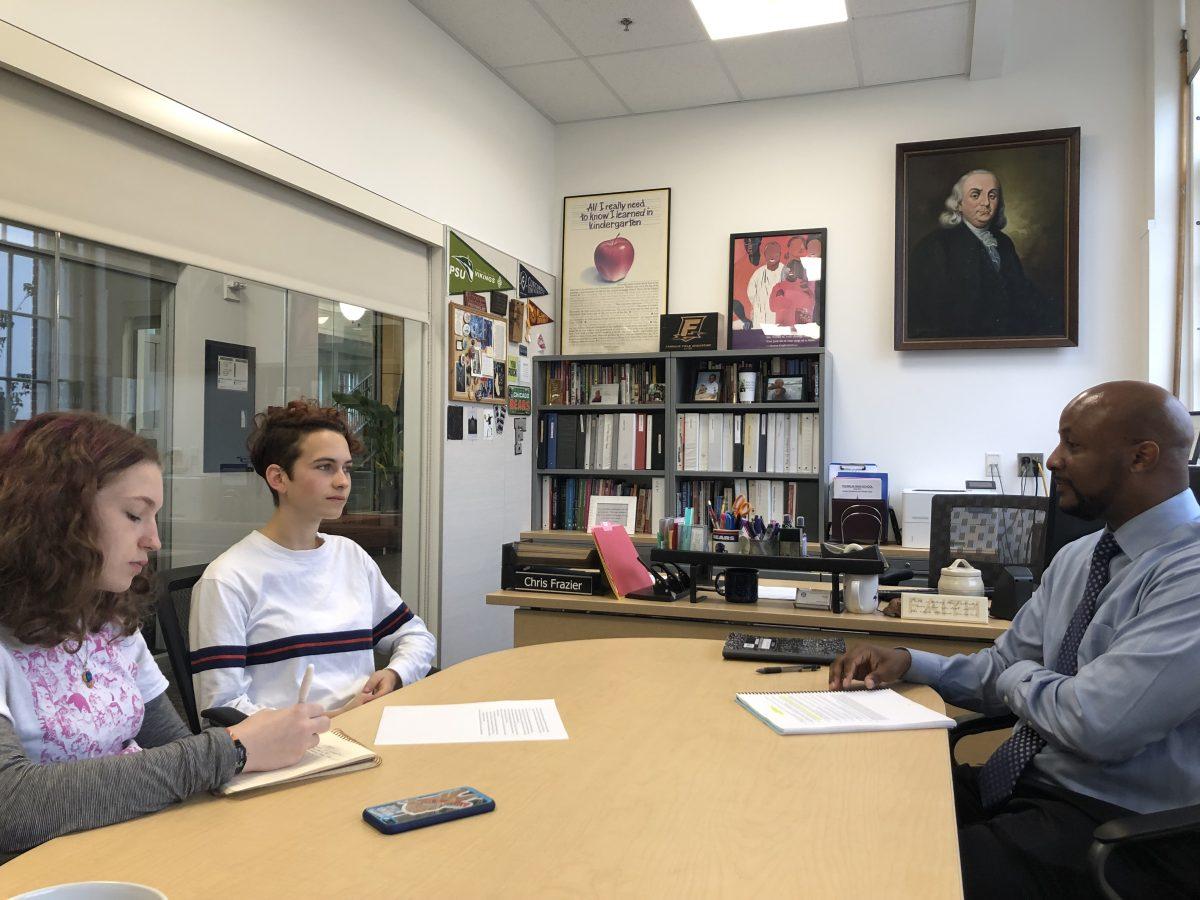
x=396, y=618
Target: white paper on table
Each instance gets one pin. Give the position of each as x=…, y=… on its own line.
x=472, y=723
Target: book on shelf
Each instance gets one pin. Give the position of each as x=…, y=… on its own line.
x=768, y=498
x=784, y=443
x=578, y=383
x=566, y=499
x=780, y=379
x=600, y=441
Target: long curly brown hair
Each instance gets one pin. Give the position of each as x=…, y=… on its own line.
x=50, y=470
x=278, y=432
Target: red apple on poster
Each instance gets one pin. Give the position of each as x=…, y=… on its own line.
x=614, y=258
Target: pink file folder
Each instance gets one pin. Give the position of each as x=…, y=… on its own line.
x=620, y=560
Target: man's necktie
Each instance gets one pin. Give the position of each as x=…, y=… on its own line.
x=1000, y=773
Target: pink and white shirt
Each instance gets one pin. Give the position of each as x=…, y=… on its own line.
x=56, y=716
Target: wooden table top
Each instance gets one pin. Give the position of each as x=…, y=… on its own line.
x=666, y=787
x=765, y=612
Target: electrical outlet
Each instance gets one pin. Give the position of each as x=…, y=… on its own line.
x=1029, y=465
x=991, y=464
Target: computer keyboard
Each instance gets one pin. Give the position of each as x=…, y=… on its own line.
x=787, y=650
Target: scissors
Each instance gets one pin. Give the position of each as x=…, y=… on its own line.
x=741, y=506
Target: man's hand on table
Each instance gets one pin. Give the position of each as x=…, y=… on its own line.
x=876, y=666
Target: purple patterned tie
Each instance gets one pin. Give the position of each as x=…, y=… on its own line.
x=1000, y=773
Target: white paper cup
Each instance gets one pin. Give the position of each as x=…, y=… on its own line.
x=747, y=382
x=95, y=890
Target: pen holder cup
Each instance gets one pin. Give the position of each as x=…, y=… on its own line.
x=767, y=546
x=726, y=540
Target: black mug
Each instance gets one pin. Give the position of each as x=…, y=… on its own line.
x=737, y=585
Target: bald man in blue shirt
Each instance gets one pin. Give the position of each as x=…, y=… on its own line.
x=1101, y=666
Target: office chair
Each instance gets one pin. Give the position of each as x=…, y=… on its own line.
x=986, y=530
x=173, y=605
x=1112, y=835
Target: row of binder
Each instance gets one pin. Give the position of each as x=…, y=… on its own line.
x=788, y=443
x=627, y=441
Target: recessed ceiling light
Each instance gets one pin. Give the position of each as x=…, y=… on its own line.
x=728, y=19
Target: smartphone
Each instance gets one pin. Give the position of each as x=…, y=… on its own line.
x=428, y=809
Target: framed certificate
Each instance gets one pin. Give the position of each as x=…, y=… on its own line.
x=616, y=510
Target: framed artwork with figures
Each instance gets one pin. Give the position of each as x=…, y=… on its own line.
x=987, y=242
x=777, y=288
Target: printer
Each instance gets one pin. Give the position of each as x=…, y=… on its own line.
x=918, y=504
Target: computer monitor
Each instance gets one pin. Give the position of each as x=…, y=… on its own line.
x=1062, y=528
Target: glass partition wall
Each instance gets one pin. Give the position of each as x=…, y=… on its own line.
x=186, y=356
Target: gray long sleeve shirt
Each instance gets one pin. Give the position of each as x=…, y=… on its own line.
x=44, y=801
x=1126, y=727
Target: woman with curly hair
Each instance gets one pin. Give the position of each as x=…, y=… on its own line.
x=287, y=596
x=88, y=736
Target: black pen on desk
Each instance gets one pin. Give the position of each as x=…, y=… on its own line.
x=775, y=670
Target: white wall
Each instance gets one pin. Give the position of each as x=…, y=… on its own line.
x=829, y=160
x=371, y=90
x=486, y=502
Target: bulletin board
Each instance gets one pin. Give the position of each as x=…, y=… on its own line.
x=478, y=356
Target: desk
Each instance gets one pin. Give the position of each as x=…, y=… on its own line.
x=545, y=617
x=646, y=799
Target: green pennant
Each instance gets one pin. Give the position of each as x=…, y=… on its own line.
x=471, y=272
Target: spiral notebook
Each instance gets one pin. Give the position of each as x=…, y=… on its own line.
x=830, y=712
x=336, y=754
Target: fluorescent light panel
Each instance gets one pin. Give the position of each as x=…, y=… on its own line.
x=738, y=18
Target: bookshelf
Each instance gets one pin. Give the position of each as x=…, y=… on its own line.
x=806, y=490
x=801, y=480
x=602, y=462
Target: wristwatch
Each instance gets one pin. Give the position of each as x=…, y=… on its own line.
x=240, y=749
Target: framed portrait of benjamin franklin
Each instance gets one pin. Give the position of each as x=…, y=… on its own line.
x=987, y=242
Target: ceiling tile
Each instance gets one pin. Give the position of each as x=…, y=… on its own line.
x=500, y=32
x=667, y=77
x=801, y=61
x=566, y=91
x=859, y=9
x=593, y=25
x=927, y=44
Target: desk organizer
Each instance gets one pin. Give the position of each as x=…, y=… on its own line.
x=868, y=561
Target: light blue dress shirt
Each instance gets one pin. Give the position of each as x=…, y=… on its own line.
x=1126, y=727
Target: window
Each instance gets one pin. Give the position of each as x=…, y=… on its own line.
x=92, y=327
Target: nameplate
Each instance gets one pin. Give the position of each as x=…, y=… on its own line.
x=560, y=584
x=944, y=608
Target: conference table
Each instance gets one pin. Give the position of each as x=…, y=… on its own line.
x=665, y=787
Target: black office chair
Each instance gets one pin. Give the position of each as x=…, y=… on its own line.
x=173, y=606
x=986, y=530
x=1112, y=835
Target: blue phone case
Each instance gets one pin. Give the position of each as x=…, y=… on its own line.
x=428, y=809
